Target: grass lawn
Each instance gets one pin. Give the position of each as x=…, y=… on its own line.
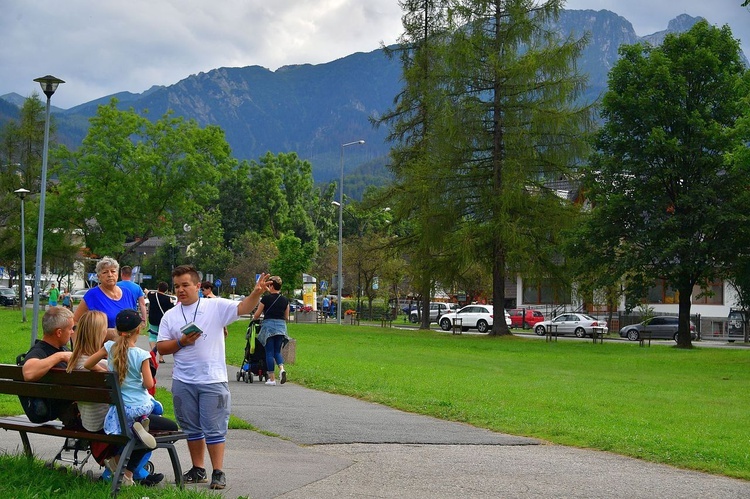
x=687, y=408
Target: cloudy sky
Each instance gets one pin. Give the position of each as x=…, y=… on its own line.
x=100, y=47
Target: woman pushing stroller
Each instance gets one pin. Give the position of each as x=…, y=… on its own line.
x=275, y=310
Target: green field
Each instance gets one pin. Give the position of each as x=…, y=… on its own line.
x=687, y=408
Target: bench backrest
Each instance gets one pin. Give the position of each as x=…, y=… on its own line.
x=57, y=384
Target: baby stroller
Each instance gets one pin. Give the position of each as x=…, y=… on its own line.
x=254, y=362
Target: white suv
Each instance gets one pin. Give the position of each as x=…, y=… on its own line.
x=437, y=310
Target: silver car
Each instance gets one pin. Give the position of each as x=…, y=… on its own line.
x=581, y=325
x=437, y=310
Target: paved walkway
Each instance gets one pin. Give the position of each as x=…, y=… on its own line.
x=335, y=446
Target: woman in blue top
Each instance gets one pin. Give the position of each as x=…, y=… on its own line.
x=107, y=297
x=275, y=310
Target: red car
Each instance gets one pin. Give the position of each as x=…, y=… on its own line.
x=525, y=318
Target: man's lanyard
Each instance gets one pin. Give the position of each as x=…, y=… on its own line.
x=182, y=309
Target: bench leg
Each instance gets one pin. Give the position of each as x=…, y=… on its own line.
x=122, y=463
x=26, y=445
x=176, y=467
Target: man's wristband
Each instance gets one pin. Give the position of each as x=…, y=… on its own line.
x=179, y=344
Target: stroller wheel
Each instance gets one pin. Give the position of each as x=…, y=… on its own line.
x=249, y=378
x=239, y=375
x=149, y=467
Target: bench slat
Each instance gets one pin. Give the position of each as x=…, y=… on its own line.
x=60, y=376
x=48, y=390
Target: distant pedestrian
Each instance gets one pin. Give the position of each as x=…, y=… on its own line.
x=139, y=303
x=326, y=305
x=158, y=304
x=54, y=294
x=65, y=299
x=275, y=310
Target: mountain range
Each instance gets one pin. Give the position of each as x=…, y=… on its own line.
x=313, y=109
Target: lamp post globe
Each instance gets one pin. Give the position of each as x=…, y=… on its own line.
x=49, y=85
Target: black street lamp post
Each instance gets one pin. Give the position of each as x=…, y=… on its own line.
x=49, y=84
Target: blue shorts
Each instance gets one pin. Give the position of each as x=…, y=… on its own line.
x=202, y=410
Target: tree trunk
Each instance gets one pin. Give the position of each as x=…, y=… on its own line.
x=684, y=339
x=426, y=294
x=499, y=327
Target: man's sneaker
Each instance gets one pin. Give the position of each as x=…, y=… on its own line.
x=195, y=475
x=144, y=436
x=218, y=480
x=271, y=383
x=283, y=376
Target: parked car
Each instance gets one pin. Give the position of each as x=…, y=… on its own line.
x=661, y=327
x=295, y=304
x=28, y=291
x=437, y=310
x=736, y=325
x=572, y=323
x=77, y=295
x=479, y=317
x=8, y=297
x=525, y=318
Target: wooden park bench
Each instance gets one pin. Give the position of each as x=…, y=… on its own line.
x=354, y=319
x=597, y=334
x=386, y=320
x=643, y=337
x=550, y=332
x=81, y=386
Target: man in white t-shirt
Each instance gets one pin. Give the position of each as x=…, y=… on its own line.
x=193, y=331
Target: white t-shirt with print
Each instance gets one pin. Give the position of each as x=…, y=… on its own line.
x=204, y=362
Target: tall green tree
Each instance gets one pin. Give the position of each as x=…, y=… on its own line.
x=668, y=199
x=515, y=124
x=283, y=196
x=235, y=193
x=21, y=147
x=206, y=249
x=293, y=259
x=420, y=187
x=22, y=142
x=251, y=254
x=133, y=179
